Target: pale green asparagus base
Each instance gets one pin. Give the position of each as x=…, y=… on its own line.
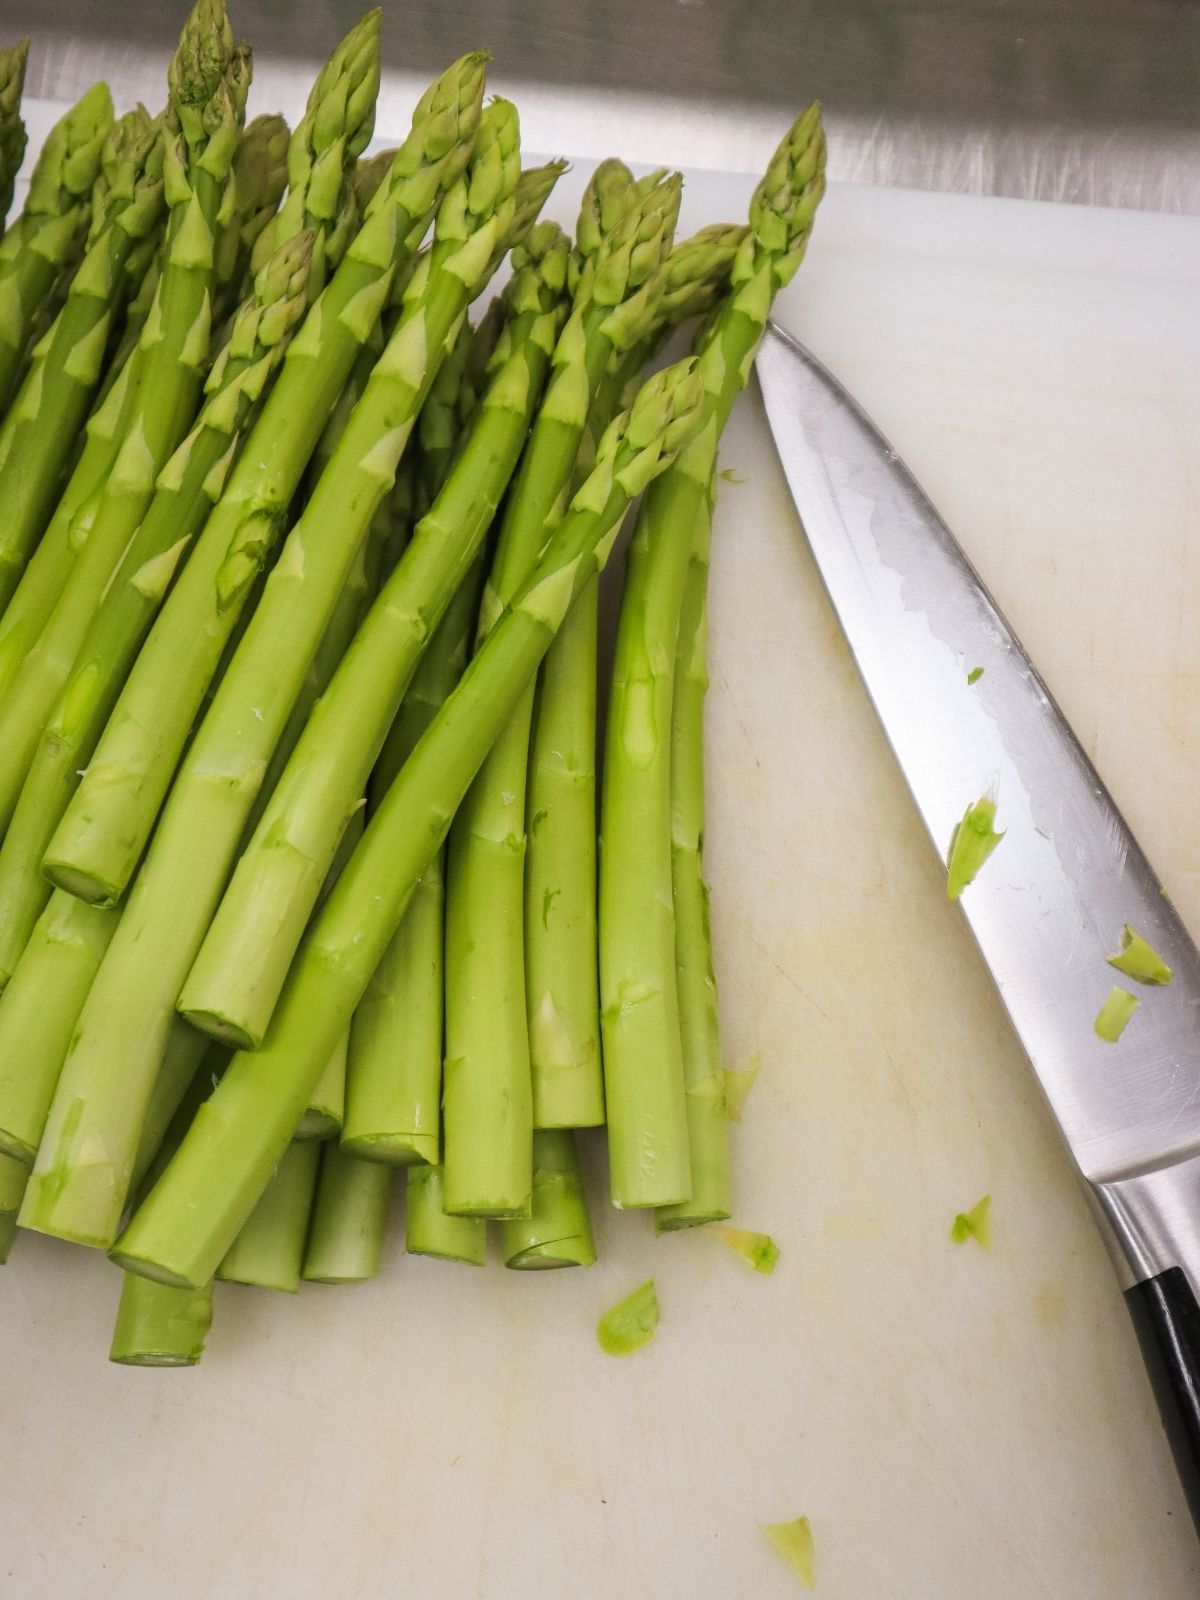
x=349, y=1219
x=269, y=1250
x=558, y=1231
x=431, y=1230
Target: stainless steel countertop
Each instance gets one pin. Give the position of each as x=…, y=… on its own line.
x=1096, y=101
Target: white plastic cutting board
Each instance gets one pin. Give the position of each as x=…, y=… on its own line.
x=958, y=1426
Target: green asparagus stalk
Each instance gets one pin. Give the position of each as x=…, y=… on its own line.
x=209, y=80
x=349, y=1219
x=432, y=1231
x=323, y=1115
x=700, y=1037
x=246, y=954
x=334, y=131
x=38, y=1013
x=157, y=1325
x=119, y=1039
x=259, y=179
x=45, y=418
x=394, y=1068
x=104, y=830
x=644, y=1074
x=561, y=975
x=558, y=1230
x=46, y=239
x=269, y=1249
x=12, y=127
x=186, y=1224
x=623, y=235
x=190, y=1063
x=91, y=677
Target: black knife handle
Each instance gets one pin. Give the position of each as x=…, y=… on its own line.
x=1166, y=1316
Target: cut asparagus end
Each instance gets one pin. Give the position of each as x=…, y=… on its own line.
x=394, y=1149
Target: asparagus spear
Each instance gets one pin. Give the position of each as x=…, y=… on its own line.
x=558, y=1230
x=699, y=1029
x=52, y=226
x=648, y=1109
x=14, y=1175
x=246, y=954
x=209, y=80
x=561, y=977
x=157, y=1325
x=183, y=1228
x=109, y=1071
x=269, y=1250
x=431, y=1230
x=42, y=423
x=560, y=918
x=91, y=677
x=349, y=1219
x=12, y=128
x=259, y=179
x=334, y=131
x=105, y=828
x=623, y=234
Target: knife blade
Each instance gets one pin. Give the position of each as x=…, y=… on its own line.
x=1049, y=905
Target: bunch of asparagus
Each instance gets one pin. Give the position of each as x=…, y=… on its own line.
x=299, y=879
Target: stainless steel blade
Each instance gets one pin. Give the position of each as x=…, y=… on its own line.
x=1049, y=905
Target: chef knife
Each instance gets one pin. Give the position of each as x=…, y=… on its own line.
x=1050, y=904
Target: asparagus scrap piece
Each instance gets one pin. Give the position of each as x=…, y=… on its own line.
x=12, y=127
x=186, y=1224
x=648, y=1108
x=431, y=1230
x=81, y=1177
x=259, y=179
x=269, y=1249
x=105, y=828
x=349, y=1219
x=46, y=239
x=209, y=80
x=248, y=949
x=91, y=677
x=696, y=985
x=39, y=1010
x=43, y=421
x=558, y=1230
x=157, y=1325
x=622, y=236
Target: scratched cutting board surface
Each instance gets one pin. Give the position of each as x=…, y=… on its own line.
x=954, y=1423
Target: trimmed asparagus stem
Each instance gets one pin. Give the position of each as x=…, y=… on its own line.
x=269, y=1250
x=184, y=1227
x=186, y=489
x=42, y=425
x=47, y=238
x=431, y=1231
x=322, y=1118
x=623, y=235
x=349, y=1219
x=158, y=1325
x=558, y=1230
x=12, y=127
x=109, y=819
x=8, y=1235
x=122, y=1027
x=560, y=922
x=38, y=1013
x=704, y=1075
x=649, y=1161
x=238, y=975
x=394, y=1071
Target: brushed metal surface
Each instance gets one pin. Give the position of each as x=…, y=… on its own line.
x=1049, y=904
x=1082, y=100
